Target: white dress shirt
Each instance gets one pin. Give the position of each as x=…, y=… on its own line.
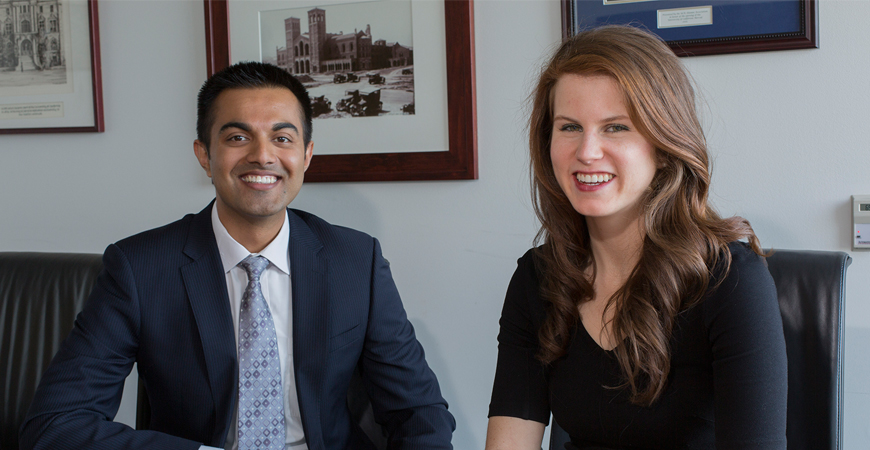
x=275, y=284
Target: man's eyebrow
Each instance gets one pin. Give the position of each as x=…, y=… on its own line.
x=247, y=128
x=242, y=126
x=282, y=125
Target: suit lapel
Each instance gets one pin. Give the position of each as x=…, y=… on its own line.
x=206, y=287
x=308, y=272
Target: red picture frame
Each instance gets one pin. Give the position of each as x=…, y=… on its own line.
x=459, y=162
x=96, y=83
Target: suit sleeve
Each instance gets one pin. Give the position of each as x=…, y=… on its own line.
x=750, y=373
x=80, y=392
x=405, y=395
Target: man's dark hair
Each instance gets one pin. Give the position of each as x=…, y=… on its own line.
x=248, y=75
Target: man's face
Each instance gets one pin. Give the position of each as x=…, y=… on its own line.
x=257, y=158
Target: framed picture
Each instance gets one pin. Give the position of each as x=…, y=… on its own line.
x=50, y=67
x=391, y=81
x=694, y=27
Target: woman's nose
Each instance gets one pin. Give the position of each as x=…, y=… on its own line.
x=589, y=149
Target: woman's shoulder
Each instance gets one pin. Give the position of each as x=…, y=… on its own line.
x=742, y=253
x=746, y=287
x=737, y=255
x=532, y=256
x=524, y=288
x=530, y=266
x=744, y=264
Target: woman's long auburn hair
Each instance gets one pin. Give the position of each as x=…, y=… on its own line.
x=684, y=238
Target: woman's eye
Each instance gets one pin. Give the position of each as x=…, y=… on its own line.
x=616, y=127
x=571, y=127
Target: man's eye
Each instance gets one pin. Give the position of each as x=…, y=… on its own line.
x=236, y=138
x=283, y=139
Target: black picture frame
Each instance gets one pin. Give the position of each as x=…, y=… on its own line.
x=737, y=26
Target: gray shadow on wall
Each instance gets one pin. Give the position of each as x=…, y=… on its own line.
x=339, y=204
x=127, y=410
x=856, y=404
x=844, y=210
x=435, y=358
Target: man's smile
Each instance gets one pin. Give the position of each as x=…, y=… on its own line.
x=259, y=179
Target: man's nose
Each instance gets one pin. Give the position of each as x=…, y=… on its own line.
x=262, y=152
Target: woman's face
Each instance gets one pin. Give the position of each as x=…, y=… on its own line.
x=601, y=161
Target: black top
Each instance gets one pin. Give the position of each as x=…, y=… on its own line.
x=726, y=390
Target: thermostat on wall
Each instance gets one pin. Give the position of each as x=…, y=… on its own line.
x=861, y=222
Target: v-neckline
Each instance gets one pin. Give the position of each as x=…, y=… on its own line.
x=592, y=340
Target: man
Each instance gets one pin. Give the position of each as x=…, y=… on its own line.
x=248, y=319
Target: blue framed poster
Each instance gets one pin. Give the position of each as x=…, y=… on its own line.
x=705, y=27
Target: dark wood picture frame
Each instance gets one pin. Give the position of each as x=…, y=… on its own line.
x=806, y=37
x=96, y=83
x=459, y=162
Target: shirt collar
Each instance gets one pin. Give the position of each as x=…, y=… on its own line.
x=232, y=253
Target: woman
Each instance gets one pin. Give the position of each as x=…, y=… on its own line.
x=642, y=321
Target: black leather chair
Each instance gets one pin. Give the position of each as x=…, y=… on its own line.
x=40, y=296
x=811, y=288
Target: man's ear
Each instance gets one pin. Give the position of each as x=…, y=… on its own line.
x=201, y=152
x=309, y=152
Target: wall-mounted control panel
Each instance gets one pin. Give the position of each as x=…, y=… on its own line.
x=860, y=222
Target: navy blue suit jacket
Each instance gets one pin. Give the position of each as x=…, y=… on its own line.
x=161, y=301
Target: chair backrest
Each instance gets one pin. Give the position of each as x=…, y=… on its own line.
x=40, y=295
x=811, y=290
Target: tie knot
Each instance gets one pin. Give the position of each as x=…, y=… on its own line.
x=254, y=266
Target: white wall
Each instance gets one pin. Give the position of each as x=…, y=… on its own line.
x=786, y=130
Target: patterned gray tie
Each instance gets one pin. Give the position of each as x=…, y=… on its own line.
x=261, y=394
